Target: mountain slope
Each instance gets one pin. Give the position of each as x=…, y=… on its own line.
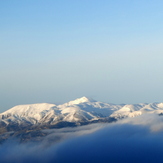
x=79, y=110
x=27, y=122
x=82, y=110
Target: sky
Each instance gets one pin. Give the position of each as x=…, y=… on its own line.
x=57, y=51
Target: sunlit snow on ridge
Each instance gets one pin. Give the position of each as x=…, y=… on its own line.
x=81, y=109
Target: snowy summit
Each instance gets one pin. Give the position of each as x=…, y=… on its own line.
x=81, y=110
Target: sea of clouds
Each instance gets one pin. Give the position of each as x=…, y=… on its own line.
x=135, y=140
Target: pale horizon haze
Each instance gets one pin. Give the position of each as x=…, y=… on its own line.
x=57, y=51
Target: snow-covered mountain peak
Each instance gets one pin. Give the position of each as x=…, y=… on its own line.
x=29, y=108
x=81, y=100
x=82, y=109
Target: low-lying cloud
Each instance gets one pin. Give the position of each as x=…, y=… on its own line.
x=133, y=140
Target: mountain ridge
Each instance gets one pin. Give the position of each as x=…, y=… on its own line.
x=79, y=110
x=28, y=121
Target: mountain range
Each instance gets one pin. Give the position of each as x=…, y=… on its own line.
x=82, y=111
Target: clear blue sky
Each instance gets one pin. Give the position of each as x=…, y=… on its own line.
x=58, y=50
